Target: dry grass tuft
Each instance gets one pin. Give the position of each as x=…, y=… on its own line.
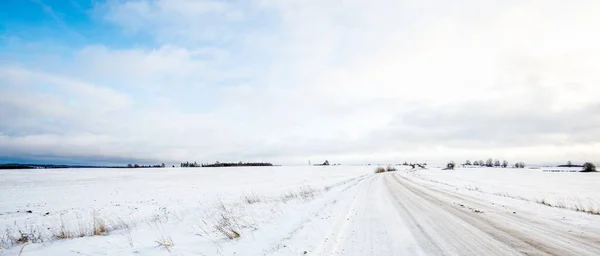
x=307, y=193
x=504, y=194
x=544, y=202
x=20, y=236
x=228, y=227
x=304, y=193
x=167, y=243
x=84, y=227
x=472, y=187
x=62, y=232
x=578, y=207
x=588, y=210
x=251, y=199
x=228, y=232
x=288, y=197
x=163, y=241
x=99, y=226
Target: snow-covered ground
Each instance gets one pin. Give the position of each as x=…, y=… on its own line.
x=335, y=210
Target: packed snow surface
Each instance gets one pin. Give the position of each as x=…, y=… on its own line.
x=311, y=210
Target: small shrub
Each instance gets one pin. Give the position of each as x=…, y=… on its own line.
x=390, y=168
x=589, y=167
x=379, y=170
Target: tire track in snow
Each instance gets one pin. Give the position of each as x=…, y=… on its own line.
x=336, y=234
x=368, y=227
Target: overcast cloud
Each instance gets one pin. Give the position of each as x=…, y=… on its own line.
x=287, y=81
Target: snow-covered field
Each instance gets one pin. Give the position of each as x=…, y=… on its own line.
x=335, y=210
x=568, y=188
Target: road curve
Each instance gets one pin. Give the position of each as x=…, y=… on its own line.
x=392, y=215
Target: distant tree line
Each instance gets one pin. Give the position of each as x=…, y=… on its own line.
x=20, y=166
x=188, y=164
x=63, y=166
x=586, y=167
x=492, y=163
x=519, y=165
x=415, y=165
x=570, y=164
x=146, y=166
x=219, y=164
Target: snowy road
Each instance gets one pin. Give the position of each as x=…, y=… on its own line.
x=391, y=215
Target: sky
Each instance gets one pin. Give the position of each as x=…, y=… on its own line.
x=350, y=81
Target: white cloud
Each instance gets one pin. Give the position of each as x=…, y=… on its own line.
x=180, y=20
x=349, y=80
